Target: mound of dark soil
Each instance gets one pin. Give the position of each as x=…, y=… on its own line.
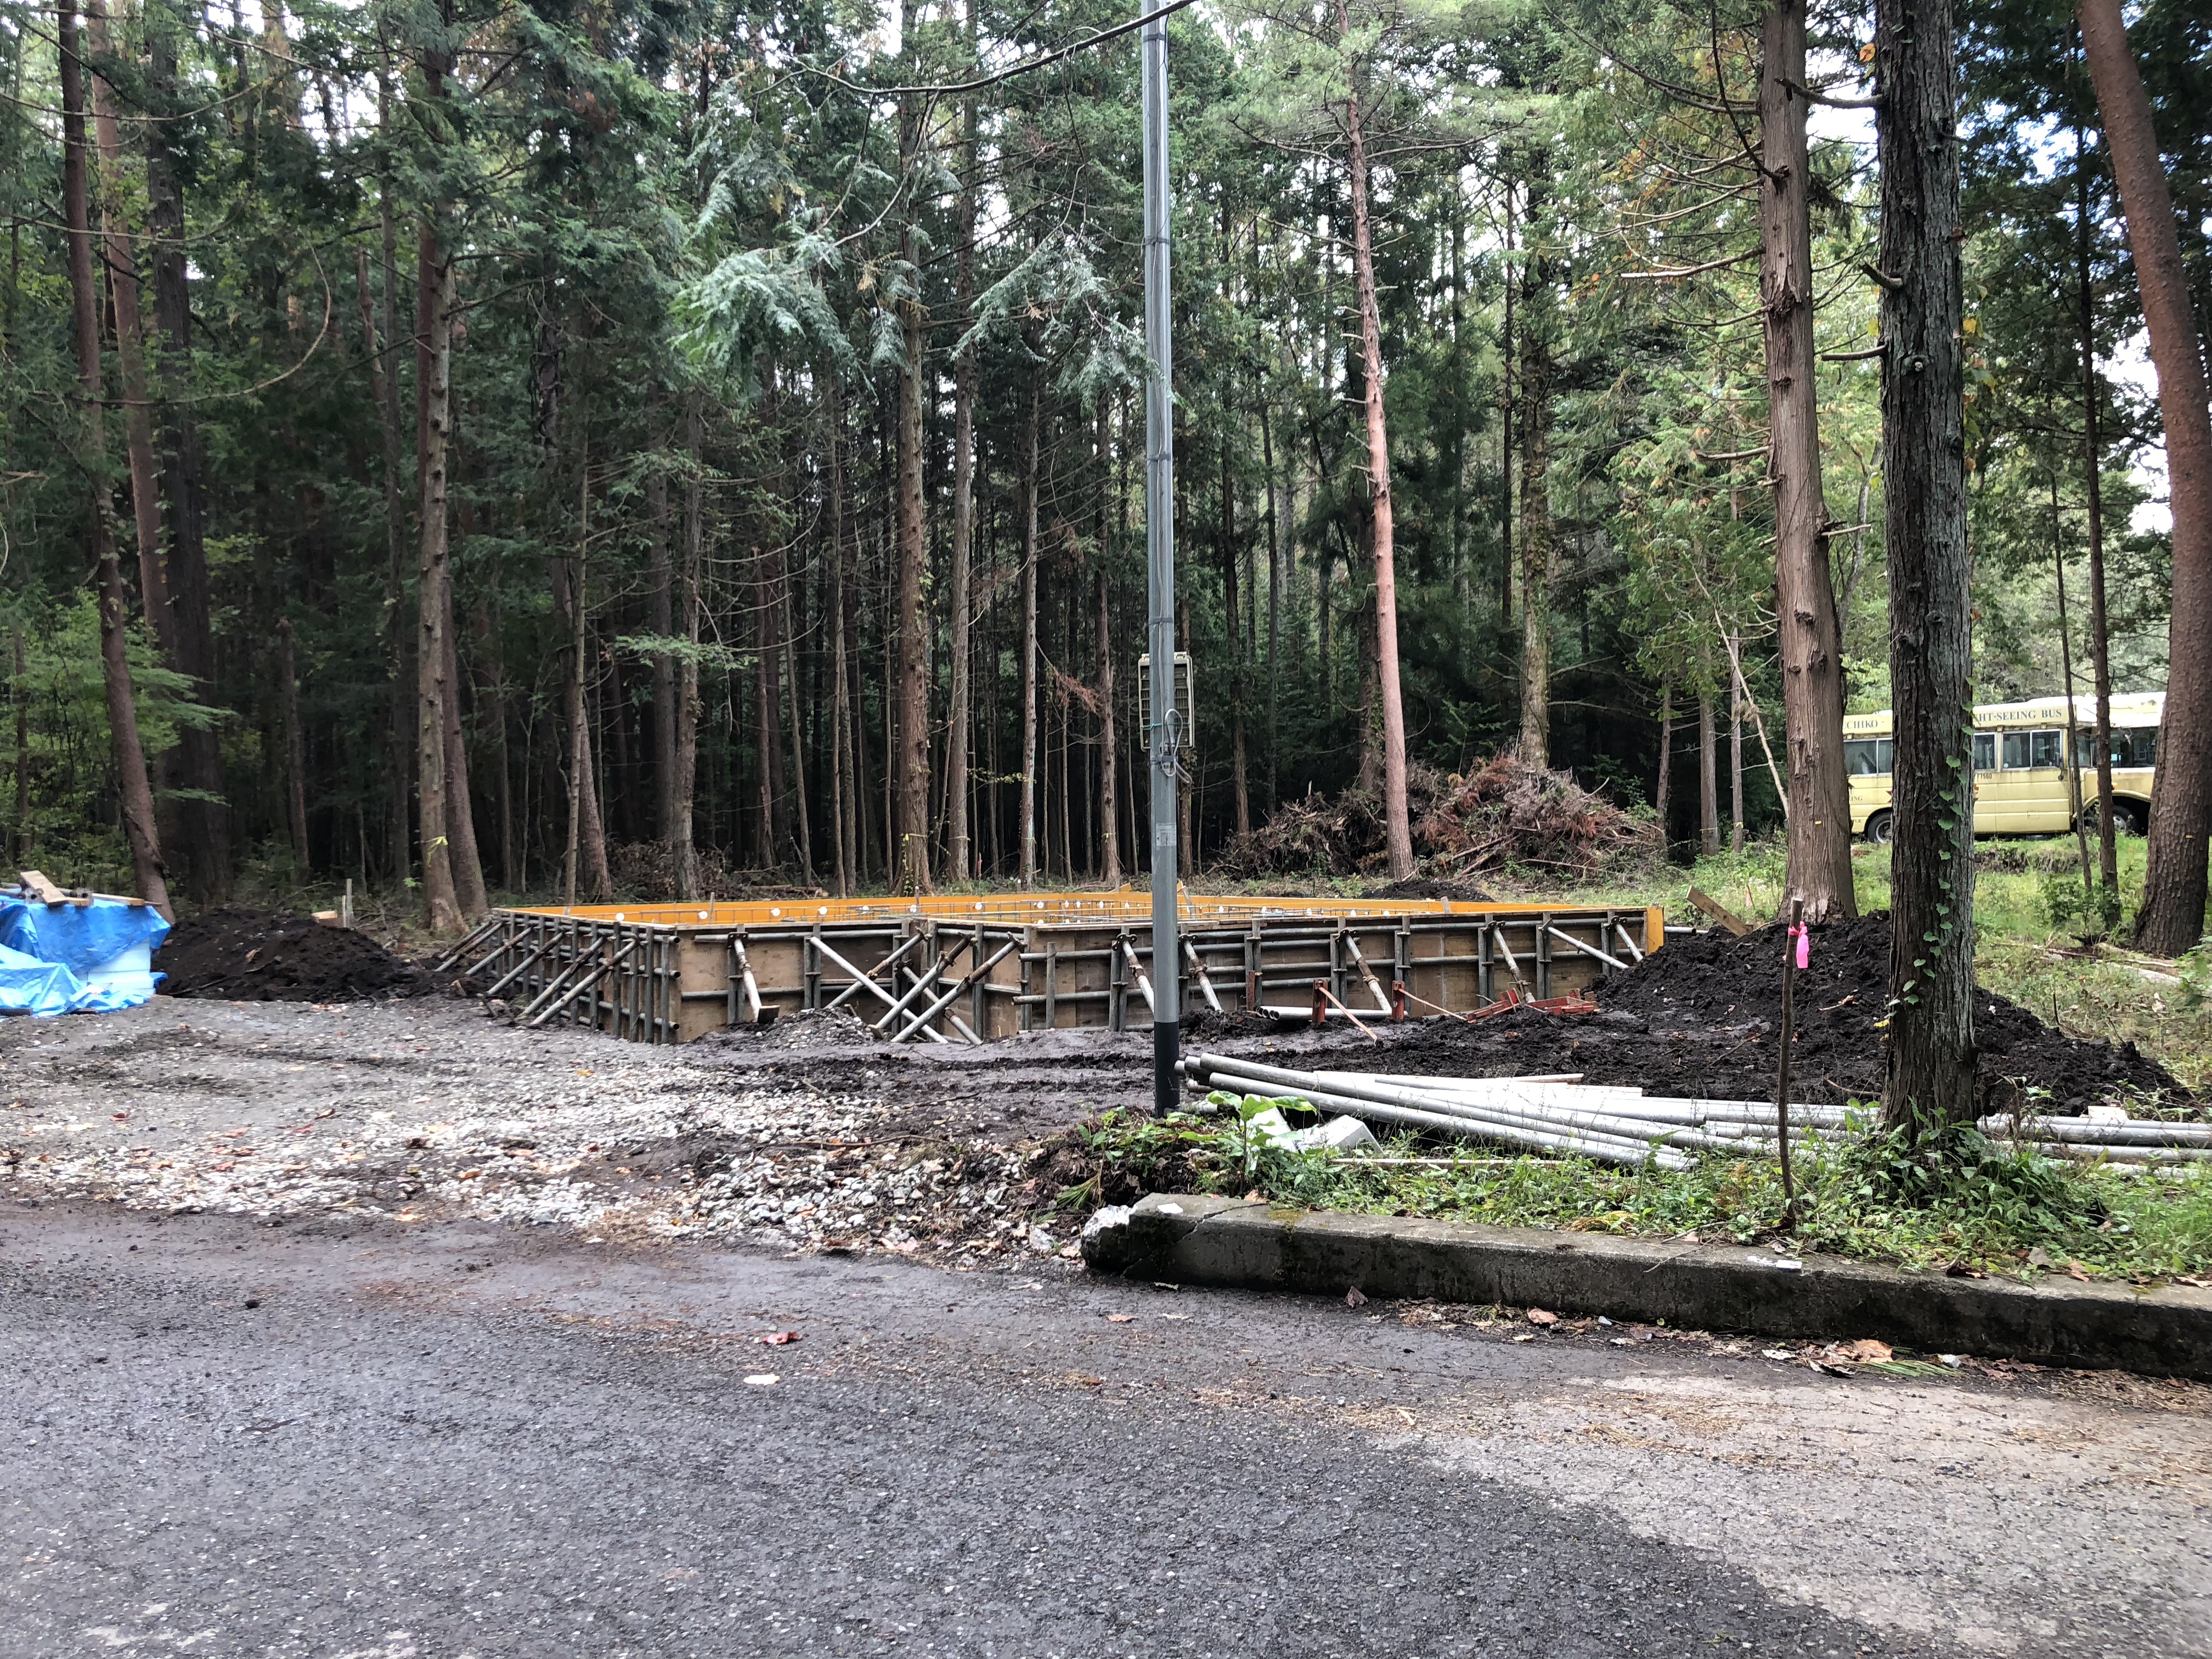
x=1428, y=887
x=1711, y=981
x=242, y=955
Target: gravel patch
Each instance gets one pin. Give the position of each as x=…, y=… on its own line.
x=425, y=1109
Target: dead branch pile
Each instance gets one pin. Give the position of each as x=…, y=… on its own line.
x=646, y=871
x=1507, y=813
x=1511, y=812
x=1318, y=835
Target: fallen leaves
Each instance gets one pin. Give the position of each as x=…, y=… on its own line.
x=778, y=1338
x=1355, y=1297
x=1540, y=1317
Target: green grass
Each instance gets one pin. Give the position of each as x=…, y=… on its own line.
x=1990, y=1210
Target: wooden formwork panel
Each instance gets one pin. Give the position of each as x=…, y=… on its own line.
x=673, y=974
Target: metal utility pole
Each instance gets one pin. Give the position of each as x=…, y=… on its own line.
x=1165, y=726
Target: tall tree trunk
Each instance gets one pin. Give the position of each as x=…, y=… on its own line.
x=959, y=853
x=202, y=815
x=1709, y=791
x=1508, y=398
x=1278, y=512
x=683, y=774
x=586, y=864
x=841, y=737
x=767, y=646
x=400, y=760
x=1031, y=758
x=911, y=765
x=460, y=804
x=660, y=583
x=433, y=411
x=2093, y=485
x=1819, y=805
x=1240, y=786
x=1737, y=699
x=295, y=750
x=1931, y=1027
x=1662, y=795
x=2172, y=920
x=1535, y=378
x=22, y=848
x=1398, y=833
x=133, y=788
x=130, y=345
x=792, y=699
x=1109, y=856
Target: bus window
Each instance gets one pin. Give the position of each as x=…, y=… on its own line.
x=2047, y=749
x=2132, y=745
x=2135, y=746
x=1868, y=757
x=2015, y=751
x=1985, y=751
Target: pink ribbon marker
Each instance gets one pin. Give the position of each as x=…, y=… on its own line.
x=1804, y=947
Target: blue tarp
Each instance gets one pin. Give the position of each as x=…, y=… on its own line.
x=68, y=958
x=28, y=986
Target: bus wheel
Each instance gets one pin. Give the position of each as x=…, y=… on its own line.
x=1877, y=830
x=2126, y=817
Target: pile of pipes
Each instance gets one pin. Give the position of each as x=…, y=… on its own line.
x=1625, y=1126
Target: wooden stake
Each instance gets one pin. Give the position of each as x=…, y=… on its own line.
x=1788, y=1034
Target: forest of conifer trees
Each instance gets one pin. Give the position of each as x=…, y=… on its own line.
x=624, y=447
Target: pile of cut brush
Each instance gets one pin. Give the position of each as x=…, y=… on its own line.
x=1511, y=812
x=1507, y=813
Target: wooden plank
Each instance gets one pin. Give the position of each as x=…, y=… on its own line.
x=43, y=889
x=1720, y=912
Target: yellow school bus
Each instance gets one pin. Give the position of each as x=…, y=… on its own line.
x=2021, y=783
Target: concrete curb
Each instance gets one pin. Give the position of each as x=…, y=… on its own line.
x=1235, y=1243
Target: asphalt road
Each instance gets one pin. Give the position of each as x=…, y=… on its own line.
x=224, y=1438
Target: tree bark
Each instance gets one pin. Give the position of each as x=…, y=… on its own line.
x=1239, y=785
x=433, y=412
x=1110, y=854
x=400, y=759
x=295, y=750
x=2172, y=920
x=1819, y=806
x=1507, y=397
x=133, y=789
x=959, y=852
x=911, y=762
x=1709, y=792
x=660, y=584
x=1736, y=699
x=2093, y=486
x=202, y=816
x=841, y=739
x=1030, y=757
x=1535, y=378
x=1931, y=1028
x=685, y=766
x=468, y=890
x=1663, y=794
x=1398, y=833
x=130, y=346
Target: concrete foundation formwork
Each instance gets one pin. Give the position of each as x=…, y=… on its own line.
x=953, y=968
